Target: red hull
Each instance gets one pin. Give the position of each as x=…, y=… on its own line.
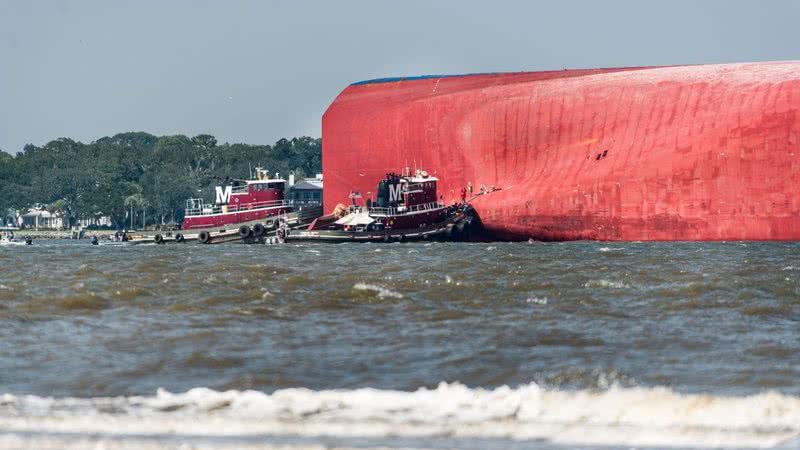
x=228, y=219
x=691, y=153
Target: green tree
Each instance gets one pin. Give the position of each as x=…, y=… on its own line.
x=58, y=207
x=156, y=173
x=134, y=202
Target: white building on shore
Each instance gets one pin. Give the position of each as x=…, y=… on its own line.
x=40, y=218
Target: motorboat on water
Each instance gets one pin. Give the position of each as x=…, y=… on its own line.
x=7, y=237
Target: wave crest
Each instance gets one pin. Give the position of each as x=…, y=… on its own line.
x=617, y=416
x=380, y=291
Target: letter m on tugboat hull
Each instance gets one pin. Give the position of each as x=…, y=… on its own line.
x=395, y=192
x=223, y=194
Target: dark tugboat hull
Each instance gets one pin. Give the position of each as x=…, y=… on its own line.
x=461, y=226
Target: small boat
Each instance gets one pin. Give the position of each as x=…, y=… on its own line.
x=7, y=237
x=407, y=208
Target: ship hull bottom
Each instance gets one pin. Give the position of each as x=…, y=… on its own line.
x=503, y=225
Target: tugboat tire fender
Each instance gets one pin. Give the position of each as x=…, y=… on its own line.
x=456, y=233
x=179, y=238
x=464, y=228
x=204, y=237
x=159, y=239
x=245, y=232
x=258, y=230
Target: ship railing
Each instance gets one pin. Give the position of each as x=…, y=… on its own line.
x=305, y=202
x=195, y=208
x=399, y=211
x=258, y=205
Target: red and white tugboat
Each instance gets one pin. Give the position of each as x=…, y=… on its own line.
x=250, y=201
x=407, y=208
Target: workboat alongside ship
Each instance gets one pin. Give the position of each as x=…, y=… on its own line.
x=248, y=201
x=257, y=203
x=709, y=152
x=407, y=208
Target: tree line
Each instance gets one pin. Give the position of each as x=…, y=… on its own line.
x=153, y=175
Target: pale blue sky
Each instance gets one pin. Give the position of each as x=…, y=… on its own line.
x=256, y=71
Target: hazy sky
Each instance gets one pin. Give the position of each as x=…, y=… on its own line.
x=256, y=71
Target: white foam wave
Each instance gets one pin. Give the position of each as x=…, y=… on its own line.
x=606, y=284
x=381, y=291
x=537, y=300
x=614, y=417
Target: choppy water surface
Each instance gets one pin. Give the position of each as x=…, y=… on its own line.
x=402, y=345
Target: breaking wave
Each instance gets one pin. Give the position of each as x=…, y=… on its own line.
x=380, y=291
x=614, y=417
x=606, y=284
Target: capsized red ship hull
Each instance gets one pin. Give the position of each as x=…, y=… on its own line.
x=707, y=152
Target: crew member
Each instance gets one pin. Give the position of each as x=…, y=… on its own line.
x=282, y=233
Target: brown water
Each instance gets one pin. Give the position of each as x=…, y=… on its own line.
x=691, y=342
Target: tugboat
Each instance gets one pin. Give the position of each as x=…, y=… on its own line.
x=407, y=208
x=248, y=201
